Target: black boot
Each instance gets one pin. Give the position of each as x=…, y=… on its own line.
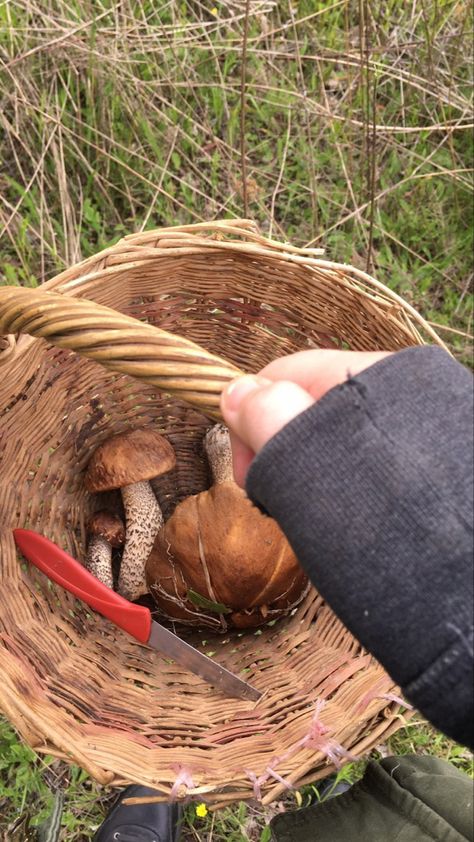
x=140, y=822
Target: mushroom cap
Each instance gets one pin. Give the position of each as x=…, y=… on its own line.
x=107, y=525
x=133, y=456
x=218, y=545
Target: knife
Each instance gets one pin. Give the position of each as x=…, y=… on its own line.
x=134, y=619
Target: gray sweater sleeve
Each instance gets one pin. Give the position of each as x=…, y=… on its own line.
x=373, y=486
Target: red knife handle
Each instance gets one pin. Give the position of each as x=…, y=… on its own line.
x=67, y=572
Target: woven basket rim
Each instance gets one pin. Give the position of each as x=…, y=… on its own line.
x=245, y=237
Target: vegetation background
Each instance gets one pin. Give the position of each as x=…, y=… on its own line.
x=344, y=124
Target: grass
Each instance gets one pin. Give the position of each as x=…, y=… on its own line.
x=355, y=135
x=28, y=788
x=118, y=117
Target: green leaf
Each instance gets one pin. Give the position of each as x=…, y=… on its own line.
x=208, y=604
x=11, y=274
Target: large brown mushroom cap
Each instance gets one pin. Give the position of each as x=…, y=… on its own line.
x=127, y=458
x=219, y=546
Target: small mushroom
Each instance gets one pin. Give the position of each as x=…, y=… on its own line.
x=127, y=461
x=106, y=531
x=218, y=560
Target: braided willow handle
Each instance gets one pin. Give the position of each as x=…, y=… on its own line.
x=119, y=342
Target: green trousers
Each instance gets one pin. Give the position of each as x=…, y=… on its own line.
x=400, y=799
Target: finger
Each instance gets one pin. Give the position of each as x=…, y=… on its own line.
x=255, y=412
x=320, y=370
x=241, y=459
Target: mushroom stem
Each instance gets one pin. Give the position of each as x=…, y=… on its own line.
x=106, y=531
x=99, y=560
x=219, y=453
x=143, y=521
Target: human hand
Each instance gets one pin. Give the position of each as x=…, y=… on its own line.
x=256, y=407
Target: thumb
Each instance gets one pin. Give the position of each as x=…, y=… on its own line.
x=255, y=409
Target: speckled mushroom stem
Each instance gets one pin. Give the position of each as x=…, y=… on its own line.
x=143, y=521
x=99, y=560
x=219, y=454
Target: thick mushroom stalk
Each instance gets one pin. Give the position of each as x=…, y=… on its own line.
x=143, y=521
x=219, y=454
x=106, y=531
x=127, y=461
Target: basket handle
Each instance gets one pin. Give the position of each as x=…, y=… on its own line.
x=120, y=343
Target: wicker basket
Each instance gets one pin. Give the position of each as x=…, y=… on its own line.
x=72, y=684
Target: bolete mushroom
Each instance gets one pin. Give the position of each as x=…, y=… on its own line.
x=106, y=531
x=218, y=560
x=127, y=461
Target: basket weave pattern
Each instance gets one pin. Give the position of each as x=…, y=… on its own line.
x=72, y=684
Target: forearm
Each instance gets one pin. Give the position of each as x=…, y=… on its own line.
x=373, y=488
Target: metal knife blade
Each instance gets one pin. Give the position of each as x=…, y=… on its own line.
x=186, y=655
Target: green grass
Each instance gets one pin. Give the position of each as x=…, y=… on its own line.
x=121, y=117
x=134, y=121
x=28, y=784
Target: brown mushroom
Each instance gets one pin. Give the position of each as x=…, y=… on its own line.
x=106, y=531
x=127, y=461
x=218, y=559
